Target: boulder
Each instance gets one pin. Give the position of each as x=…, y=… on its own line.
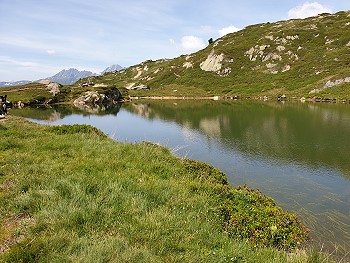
x=94, y=97
x=90, y=97
x=45, y=81
x=140, y=87
x=54, y=88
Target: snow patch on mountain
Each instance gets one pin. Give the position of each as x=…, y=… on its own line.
x=114, y=67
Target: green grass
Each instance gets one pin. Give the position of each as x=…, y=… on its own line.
x=33, y=93
x=70, y=194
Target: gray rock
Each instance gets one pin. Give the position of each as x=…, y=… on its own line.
x=140, y=87
x=90, y=97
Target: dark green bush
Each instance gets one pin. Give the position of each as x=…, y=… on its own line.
x=77, y=128
x=205, y=172
x=248, y=214
x=2, y=128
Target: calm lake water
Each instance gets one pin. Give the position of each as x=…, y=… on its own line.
x=299, y=154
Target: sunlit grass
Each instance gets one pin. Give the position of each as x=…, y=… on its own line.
x=70, y=194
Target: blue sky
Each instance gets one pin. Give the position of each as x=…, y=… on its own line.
x=38, y=38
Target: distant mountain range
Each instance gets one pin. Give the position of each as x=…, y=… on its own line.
x=14, y=83
x=114, y=67
x=66, y=76
x=70, y=76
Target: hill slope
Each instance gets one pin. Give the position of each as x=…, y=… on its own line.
x=301, y=57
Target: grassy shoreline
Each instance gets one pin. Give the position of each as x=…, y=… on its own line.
x=70, y=193
x=35, y=94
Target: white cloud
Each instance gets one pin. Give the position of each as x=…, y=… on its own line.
x=191, y=43
x=227, y=30
x=308, y=9
x=51, y=51
x=17, y=69
x=11, y=61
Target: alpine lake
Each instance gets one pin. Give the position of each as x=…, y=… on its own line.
x=297, y=153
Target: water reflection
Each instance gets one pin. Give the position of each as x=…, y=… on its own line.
x=313, y=134
x=296, y=153
x=52, y=114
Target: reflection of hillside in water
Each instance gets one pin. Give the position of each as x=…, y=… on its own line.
x=55, y=116
x=56, y=112
x=312, y=134
x=91, y=108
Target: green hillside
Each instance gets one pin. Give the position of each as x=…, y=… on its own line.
x=302, y=57
x=298, y=58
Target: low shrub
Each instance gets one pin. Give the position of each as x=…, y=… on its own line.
x=248, y=214
x=77, y=128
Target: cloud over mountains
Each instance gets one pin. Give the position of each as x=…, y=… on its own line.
x=308, y=9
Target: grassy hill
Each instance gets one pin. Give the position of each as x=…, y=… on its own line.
x=301, y=57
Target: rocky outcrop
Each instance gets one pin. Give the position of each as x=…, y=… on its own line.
x=336, y=82
x=330, y=84
x=187, y=65
x=45, y=81
x=52, y=87
x=90, y=97
x=140, y=87
x=213, y=62
x=96, y=97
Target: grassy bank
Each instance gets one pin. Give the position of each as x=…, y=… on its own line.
x=70, y=194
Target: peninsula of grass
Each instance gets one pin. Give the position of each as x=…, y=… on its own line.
x=71, y=194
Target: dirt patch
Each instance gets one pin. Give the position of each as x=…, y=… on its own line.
x=9, y=231
x=139, y=72
x=6, y=245
x=5, y=186
x=20, y=89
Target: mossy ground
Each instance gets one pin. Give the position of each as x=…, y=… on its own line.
x=33, y=93
x=70, y=194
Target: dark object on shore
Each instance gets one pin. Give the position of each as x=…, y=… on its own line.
x=232, y=97
x=3, y=106
x=211, y=41
x=282, y=98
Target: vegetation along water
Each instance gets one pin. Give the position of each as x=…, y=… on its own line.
x=70, y=193
x=296, y=153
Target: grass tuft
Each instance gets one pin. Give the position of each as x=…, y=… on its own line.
x=77, y=128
